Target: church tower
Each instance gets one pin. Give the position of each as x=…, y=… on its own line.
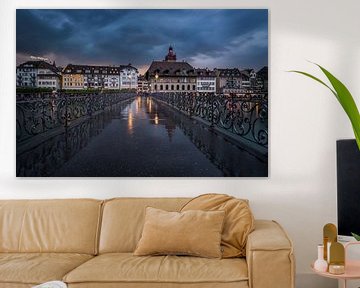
x=171, y=56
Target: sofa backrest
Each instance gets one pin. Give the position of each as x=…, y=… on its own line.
x=67, y=226
x=123, y=220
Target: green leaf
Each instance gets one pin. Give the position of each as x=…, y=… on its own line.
x=314, y=78
x=347, y=102
x=356, y=236
x=344, y=97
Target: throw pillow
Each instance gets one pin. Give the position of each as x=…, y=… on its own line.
x=239, y=220
x=196, y=233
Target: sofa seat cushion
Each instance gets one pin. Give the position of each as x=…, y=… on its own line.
x=127, y=268
x=36, y=268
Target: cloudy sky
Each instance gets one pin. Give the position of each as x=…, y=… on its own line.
x=204, y=38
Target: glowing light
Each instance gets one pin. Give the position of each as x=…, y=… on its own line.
x=156, y=119
x=150, y=105
x=130, y=121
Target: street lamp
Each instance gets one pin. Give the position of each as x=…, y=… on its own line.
x=156, y=78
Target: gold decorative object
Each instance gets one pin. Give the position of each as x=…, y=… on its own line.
x=337, y=258
x=330, y=236
x=337, y=254
x=336, y=269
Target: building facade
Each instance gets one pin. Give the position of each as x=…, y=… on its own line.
x=249, y=78
x=228, y=80
x=73, y=77
x=205, y=81
x=262, y=78
x=170, y=75
x=112, y=80
x=143, y=85
x=99, y=77
x=128, y=77
x=38, y=74
x=95, y=77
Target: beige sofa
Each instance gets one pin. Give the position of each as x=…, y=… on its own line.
x=89, y=243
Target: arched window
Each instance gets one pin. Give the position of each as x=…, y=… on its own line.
x=182, y=87
x=188, y=87
x=177, y=87
x=172, y=87
x=155, y=87
x=167, y=87
x=194, y=87
x=161, y=87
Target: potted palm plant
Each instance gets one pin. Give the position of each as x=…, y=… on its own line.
x=345, y=99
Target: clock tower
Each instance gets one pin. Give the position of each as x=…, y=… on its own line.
x=171, y=56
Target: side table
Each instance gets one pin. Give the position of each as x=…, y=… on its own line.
x=352, y=268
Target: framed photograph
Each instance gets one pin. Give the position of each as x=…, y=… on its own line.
x=142, y=93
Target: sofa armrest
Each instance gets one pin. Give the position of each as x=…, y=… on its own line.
x=269, y=256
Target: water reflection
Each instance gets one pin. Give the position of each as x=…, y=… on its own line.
x=130, y=122
x=45, y=159
x=139, y=138
x=231, y=159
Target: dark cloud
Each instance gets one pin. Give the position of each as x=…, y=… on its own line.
x=211, y=38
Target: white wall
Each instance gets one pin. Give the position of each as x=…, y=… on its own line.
x=305, y=121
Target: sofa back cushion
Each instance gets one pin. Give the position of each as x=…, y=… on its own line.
x=66, y=226
x=123, y=220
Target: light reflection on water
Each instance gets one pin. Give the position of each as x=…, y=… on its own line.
x=142, y=109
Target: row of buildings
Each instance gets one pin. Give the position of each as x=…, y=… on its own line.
x=41, y=74
x=168, y=75
x=171, y=75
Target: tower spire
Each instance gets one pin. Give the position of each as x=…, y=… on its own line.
x=171, y=56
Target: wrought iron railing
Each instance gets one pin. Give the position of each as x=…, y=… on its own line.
x=37, y=114
x=244, y=115
x=47, y=157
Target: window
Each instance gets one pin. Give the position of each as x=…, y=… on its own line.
x=182, y=87
x=172, y=87
x=177, y=87
x=167, y=87
x=155, y=87
x=194, y=87
x=188, y=87
x=161, y=87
